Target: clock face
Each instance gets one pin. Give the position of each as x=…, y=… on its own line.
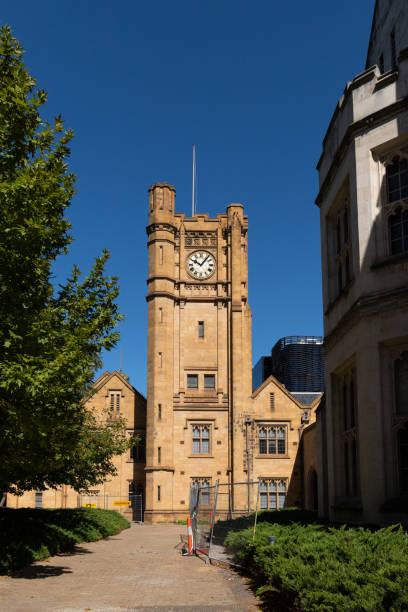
x=200, y=264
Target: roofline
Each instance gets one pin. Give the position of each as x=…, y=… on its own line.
x=282, y=387
x=371, y=32
x=102, y=380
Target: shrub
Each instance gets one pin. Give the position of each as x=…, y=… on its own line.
x=316, y=567
x=28, y=535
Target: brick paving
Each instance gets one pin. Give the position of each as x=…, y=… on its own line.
x=140, y=569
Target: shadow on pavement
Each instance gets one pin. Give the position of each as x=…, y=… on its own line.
x=33, y=572
x=77, y=550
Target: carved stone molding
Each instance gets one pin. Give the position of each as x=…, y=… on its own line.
x=157, y=227
x=200, y=239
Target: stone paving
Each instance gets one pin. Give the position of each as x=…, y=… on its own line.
x=140, y=569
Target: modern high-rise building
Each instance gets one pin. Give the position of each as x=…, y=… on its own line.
x=261, y=371
x=297, y=362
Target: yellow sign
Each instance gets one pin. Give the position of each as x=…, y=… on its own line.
x=89, y=505
x=122, y=503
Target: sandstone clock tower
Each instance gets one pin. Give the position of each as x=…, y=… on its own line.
x=199, y=352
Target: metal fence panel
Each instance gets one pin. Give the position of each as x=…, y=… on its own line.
x=227, y=507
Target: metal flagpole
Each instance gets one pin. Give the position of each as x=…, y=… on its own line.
x=193, y=194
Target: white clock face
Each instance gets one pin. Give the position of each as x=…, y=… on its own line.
x=201, y=264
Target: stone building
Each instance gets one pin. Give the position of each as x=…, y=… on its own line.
x=363, y=201
x=203, y=421
x=114, y=396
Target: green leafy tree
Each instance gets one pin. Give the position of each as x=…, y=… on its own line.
x=51, y=341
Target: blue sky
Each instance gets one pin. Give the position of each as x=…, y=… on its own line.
x=253, y=84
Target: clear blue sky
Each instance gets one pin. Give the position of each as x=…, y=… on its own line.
x=253, y=84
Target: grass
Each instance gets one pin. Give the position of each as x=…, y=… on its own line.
x=28, y=535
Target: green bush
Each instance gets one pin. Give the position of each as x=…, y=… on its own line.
x=28, y=535
x=316, y=567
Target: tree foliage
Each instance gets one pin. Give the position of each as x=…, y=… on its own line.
x=51, y=339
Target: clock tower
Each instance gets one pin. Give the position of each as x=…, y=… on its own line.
x=199, y=352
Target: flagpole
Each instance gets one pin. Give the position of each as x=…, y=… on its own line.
x=193, y=194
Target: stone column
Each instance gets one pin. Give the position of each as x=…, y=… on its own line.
x=160, y=355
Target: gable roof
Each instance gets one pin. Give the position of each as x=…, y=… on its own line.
x=307, y=398
x=275, y=381
x=107, y=376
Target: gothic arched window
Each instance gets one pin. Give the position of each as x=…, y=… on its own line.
x=397, y=179
x=401, y=385
x=272, y=493
x=398, y=226
x=272, y=440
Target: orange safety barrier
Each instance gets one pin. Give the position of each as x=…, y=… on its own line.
x=190, y=536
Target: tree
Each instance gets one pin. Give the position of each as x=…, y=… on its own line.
x=51, y=340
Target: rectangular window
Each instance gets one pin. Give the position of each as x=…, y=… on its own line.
x=201, y=439
x=114, y=402
x=160, y=254
x=160, y=360
x=402, y=437
x=272, y=401
x=138, y=451
x=159, y=454
x=158, y=492
x=201, y=329
x=401, y=384
x=192, y=381
x=272, y=439
x=38, y=499
x=159, y=412
x=204, y=485
x=339, y=244
x=345, y=393
x=160, y=315
x=272, y=493
x=209, y=381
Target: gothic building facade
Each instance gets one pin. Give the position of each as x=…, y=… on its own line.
x=363, y=201
x=203, y=421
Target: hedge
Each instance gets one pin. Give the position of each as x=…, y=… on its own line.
x=28, y=535
x=317, y=567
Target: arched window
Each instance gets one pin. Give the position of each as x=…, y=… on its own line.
x=272, y=440
x=204, y=484
x=263, y=448
x=397, y=179
x=201, y=440
x=401, y=385
x=398, y=227
x=403, y=459
x=272, y=493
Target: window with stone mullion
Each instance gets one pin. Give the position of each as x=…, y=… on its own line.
x=349, y=433
x=397, y=179
x=204, y=484
x=201, y=440
x=272, y=440
x=272, y=493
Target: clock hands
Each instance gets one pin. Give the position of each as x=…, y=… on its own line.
x=205, y=259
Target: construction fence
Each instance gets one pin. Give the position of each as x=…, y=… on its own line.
x=219, y=509
x=131, y=504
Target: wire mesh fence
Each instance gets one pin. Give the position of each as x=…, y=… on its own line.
x=130, y=505
x=219, y=509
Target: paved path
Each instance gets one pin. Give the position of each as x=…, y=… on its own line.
x=139, y=569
